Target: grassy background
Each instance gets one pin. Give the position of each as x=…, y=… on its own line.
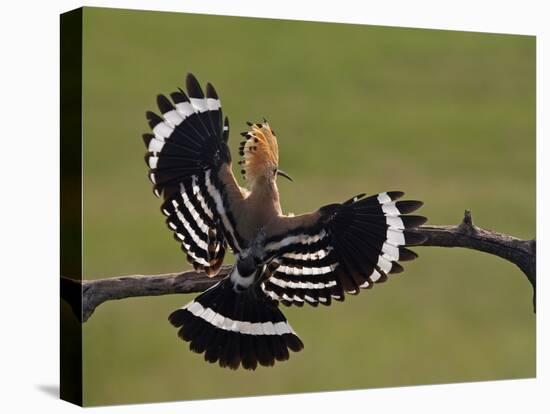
x=449, y=117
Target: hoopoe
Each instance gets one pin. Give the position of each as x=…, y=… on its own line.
x=310, y=258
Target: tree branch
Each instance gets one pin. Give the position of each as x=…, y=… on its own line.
x=520, y=252
x=84, y=297
x=92, y=293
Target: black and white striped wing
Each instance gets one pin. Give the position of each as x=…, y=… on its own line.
x=185, y=153
x=351, y=246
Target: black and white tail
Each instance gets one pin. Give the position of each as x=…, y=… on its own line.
x=236, y=328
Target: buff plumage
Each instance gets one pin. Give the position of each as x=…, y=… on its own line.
x=259, y=150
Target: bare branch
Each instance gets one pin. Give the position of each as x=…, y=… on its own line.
x=95, y=292
x=520, y=252
x=84, y=297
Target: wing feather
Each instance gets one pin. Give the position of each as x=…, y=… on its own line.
x=340, y=249
x=189, y=165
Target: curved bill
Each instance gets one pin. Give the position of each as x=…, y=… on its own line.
x=284, y=174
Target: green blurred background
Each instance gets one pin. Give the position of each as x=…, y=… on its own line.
x=448, y=117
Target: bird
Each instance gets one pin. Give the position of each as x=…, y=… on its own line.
x=314, y=258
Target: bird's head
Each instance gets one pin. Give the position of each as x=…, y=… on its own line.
x=260, y=152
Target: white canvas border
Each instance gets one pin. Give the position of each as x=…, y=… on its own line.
x=30, y=79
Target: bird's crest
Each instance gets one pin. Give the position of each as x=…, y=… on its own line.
x=259, y=150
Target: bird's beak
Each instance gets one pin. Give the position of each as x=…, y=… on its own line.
x=284, y=174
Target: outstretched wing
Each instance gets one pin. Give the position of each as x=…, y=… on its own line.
x=189, y=163
x=340, y=248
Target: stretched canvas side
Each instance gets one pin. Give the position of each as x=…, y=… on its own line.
x=71, y=205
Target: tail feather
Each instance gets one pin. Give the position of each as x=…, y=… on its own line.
x=236, y=329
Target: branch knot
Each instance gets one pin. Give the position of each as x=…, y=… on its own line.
x=467, y=225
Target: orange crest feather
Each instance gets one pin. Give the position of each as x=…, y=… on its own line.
x=259, y=150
